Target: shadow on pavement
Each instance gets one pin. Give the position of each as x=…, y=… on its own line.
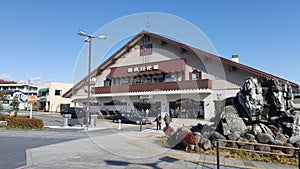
x=152, y=165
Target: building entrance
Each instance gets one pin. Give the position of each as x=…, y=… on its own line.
x=144, y=104
x=187, y=108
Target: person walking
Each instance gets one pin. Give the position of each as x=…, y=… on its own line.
x=158, y=122
x=167, y=120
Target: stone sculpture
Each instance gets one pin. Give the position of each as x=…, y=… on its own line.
x=261, y=112
x=265, y=107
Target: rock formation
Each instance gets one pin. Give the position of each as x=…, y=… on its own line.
x=261, y=112
x=264, y=107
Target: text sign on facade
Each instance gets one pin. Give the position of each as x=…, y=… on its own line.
x=142, y=68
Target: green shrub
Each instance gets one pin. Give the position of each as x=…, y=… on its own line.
x=22, y=122
x=4, y=117
x=25, y=123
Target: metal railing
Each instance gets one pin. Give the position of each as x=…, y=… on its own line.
x=254, y=151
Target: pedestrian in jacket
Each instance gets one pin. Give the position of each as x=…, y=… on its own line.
x=167, y=120
x=158, y=122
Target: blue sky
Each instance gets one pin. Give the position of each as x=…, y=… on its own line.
x=39, y=41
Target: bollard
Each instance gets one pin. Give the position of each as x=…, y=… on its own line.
x=66, y=122
x=141, y=126
x=299, y=158
x=218, y=158
x=93, y=120
x=120, y=125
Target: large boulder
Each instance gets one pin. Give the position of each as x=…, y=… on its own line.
x=281, y=137
x=287, y=150
x=263, y=138
x=232, y=145
x=205, y=144
x=248, y=136
x=294, y=139
x=231, y=122
x=276, y=143
x=267, y=130
x=206, y=131
x=216, y=136
x=197, y=137
x=247, y=147
x=197, y=128
x=184, y=128
x=297, y=144
x=262, y=148
x=256, y=129
x=242, y=141
x=233, y=136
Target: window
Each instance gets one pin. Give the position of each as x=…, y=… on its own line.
x=124, y=80
x=160, y=78
x=107, y=82
x=195, y=76
x=136, y=80
x=170, y=78
x=57, y=92
x=149, y=79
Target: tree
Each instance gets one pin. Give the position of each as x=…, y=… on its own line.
x=2, y=98
x=2, y=95
x=15, y=103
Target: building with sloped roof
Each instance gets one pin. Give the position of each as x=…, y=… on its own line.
x=164, y=76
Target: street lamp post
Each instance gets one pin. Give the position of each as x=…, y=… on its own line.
x=89, y=40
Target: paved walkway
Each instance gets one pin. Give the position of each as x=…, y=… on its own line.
x=127, y=149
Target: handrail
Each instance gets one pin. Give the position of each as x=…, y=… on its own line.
x=259, y=144
x=255, y=151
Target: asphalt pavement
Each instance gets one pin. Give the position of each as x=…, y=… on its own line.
x=109, y=145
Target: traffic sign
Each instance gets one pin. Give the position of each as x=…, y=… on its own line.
x=31, y=99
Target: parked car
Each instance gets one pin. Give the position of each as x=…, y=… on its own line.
x=132, y=118
x=106, y=115
x=76, y=112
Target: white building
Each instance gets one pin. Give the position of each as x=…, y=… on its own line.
x=22, y=91
x=156, y=73
x=50, y=96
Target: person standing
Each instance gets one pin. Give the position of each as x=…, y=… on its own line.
x=158, y=122
x=167, y=120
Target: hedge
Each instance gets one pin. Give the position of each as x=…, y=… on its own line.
x=22, y=122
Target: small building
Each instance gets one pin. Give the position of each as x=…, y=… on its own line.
x=21, y=91
x=50, y=96
x=164, y=76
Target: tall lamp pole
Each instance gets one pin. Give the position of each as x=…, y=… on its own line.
x=89, y=40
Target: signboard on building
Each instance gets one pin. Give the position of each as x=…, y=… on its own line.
x=146, y=49
x=142, y=68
